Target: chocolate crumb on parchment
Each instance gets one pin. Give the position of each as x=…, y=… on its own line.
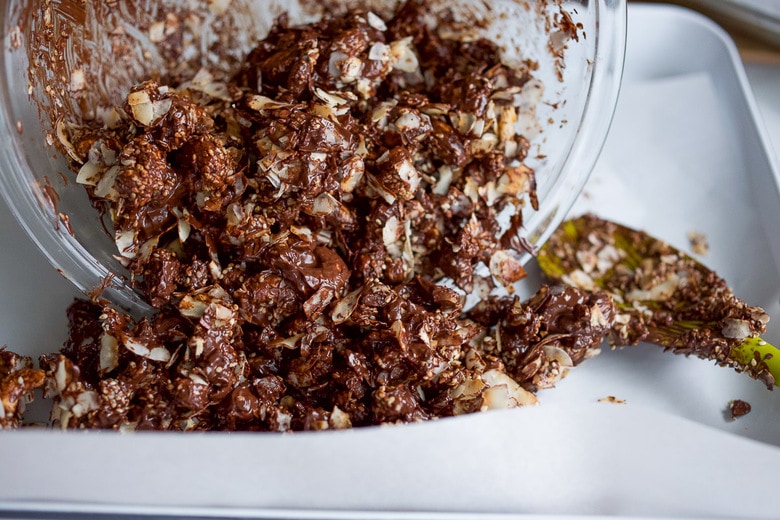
x=738, y=408
x=699, y=243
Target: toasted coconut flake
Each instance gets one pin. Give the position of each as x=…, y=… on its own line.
x=478, y=128
x=343, y=68
x=193, y=307
x=463, y=122
x=219, y=7
x=557, y=354
x=147, y=112
x=507, y=117
x=109, y=353
x=409, y=119
x=504, y=392
x=203, y=81
x=157, y=32
x=101, y=154
x=392, y=231
x=659, y=292
x=159, y=354
x=85, y=403
x=515, y=181
x=405, y=59
x=324, y=204
x=579, y=279
x=442, y=185
x=381, y=112
x=105, y=186
x=607, y=257
x=183, y=228
x=147, y=247
x=258, y=102
x=468, y=389
x=376, y=22
x=409, y=174
x=379, y=52
x=198, y=380
x=288, y=343
x=485, y=144
x=143, y=113
x=89, y=174
x=140, y=97
x=344, y=308
x=125, y=243
x=332, y=99
x=506, y=268
x=353, y=173
x=377, y=188
x=587, y=260
x=161, y=108
x=339, y=419
x=760, y=315
x=77, y=80
x=140, y=349
x=61, y=376
x=62, y=136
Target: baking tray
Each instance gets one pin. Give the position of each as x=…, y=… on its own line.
x=758, y=18
x=686, y=153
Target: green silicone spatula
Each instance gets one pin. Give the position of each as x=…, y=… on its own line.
x=664, y=296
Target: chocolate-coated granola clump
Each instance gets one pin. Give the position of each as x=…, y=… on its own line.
x=382, y=354
x=18, y=380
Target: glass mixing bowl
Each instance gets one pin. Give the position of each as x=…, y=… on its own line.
x=62, y=58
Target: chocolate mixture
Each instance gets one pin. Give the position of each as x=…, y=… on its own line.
x=307, y=233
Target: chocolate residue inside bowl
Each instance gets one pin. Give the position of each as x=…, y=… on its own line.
x=85, y=56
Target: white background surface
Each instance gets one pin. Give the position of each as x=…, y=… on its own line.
x=676, y=161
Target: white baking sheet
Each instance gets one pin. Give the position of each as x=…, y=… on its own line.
x=685, y=154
